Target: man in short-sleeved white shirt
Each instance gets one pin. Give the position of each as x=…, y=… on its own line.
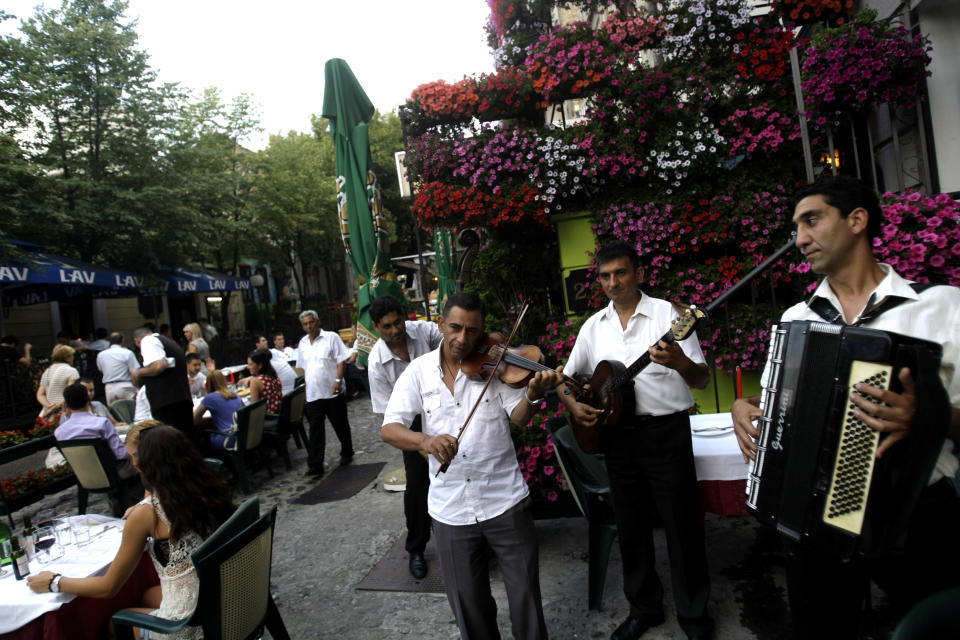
x=480, y=501
x=323, y=356
x=115, y=363
x=400, y=343
x=649, y=455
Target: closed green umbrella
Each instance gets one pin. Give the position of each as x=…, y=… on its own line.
x=446, y=267
x=362, y=223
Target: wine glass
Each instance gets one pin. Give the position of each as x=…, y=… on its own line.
x=46, y=538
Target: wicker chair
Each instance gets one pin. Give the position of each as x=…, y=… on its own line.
x=233, y=567
x=95, y=466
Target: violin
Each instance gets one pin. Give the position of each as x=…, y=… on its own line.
x=515, y=369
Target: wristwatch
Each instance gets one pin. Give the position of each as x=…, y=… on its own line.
x=55, y=584
x=339, y=380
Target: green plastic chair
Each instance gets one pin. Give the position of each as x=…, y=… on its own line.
x=288, y=423
x=250, y=422
x=124, y=410
x=234, y=572
x=933, y=618
x=591, y=491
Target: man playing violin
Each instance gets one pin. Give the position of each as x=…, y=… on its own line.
x=481, y=502
x=401, y=341
x=649, y=455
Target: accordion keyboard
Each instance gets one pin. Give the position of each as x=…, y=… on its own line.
x=856, y=452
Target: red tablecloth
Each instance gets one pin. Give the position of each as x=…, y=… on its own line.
x=87, y=618
x=725, y=497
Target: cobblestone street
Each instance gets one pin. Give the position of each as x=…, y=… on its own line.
x=323, y=551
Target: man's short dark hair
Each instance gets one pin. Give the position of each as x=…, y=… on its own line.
x=75, y=396
x=466, y=300
x=384, y=305
x=277, y=332
x=164, y=328
x=846, y=193
x=190, y=357
x=86, y=381
x=101, y=333
x=142, y=332
x=116, y=338
x=618, y=249
x=10, y=340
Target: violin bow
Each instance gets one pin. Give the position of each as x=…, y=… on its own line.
x=516, y=325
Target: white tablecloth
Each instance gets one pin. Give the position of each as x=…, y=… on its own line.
x=717, y=457
x=19, y=605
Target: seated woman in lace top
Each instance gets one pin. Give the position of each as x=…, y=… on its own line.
x=187, y=502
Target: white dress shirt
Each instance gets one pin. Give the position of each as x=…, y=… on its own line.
x=659, y=390
x=142, y=410
x=932, y=315
x=319, y=362
x=151, y=350
x=285, y=372
x=484, y=479
x=197, y=389
x=116, y=363
x=384, y=366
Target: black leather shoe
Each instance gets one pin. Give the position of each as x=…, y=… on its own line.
x=632, y=628
x=418, y=566
x=314, y=473
x=346, y=459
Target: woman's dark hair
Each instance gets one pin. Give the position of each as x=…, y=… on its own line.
x=192, y=495
x=263, y=357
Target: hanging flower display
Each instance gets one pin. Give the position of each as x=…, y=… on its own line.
x=805, y=11
x=702, y=28
x=633, y=33
x=759, y=130
x=762, y=53
x=455, y=206
x=920, y=238
x=568, y=61
x=865, y=61
x=443, y=101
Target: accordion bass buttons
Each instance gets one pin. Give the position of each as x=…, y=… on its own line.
x=846, y=500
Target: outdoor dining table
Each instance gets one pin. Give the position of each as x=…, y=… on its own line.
x=25, y=615
x=721, y=471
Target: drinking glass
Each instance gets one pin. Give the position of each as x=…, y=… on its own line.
x=61, y=526
x=6, y=550
x=81, y=530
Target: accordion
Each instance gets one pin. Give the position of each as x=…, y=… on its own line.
x=816, y=476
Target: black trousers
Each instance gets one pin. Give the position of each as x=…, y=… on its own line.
x=179, y=415
x=827, y=595
x=651, y=467
x=415, y=498
x=336, y=410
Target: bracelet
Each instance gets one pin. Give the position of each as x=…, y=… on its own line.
x=340, y=380
x=54, y=586
x=532, y=403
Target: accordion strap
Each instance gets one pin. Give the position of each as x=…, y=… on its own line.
x=829, y=313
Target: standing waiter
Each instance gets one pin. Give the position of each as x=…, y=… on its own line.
x=164, y=373
x=400, y=342
x=649, y=455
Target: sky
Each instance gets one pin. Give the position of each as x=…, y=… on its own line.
x=276, y=50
